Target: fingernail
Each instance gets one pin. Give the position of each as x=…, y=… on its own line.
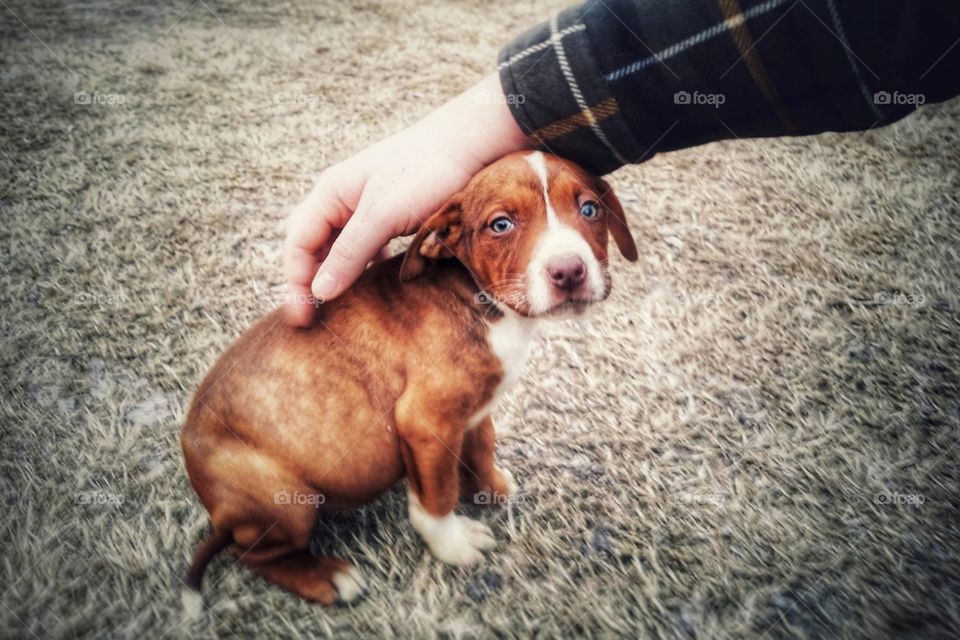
x=324, y=286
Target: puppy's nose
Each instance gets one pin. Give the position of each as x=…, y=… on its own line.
x=567, y=272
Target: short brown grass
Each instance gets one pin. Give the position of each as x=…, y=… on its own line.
x=738, y=443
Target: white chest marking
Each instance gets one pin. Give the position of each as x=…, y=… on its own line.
x=509, y=338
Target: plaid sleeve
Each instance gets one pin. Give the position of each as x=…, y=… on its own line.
x=612, y=82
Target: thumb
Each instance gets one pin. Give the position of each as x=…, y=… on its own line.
x=358, y=244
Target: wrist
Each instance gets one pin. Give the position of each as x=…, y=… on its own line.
x=480, y=122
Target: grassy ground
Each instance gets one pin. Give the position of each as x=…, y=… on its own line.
x=755, y=435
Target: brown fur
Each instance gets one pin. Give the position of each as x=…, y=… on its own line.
x=510, y=186
x=380, y=389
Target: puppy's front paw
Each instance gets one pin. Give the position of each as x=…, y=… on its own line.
x=461, y=541
x=452, y=539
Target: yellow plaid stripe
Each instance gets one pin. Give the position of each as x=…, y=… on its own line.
x=742, y=37
x=586, y=118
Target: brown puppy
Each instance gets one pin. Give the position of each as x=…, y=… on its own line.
x=398, y=377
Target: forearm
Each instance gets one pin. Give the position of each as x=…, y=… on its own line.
x=478, y=122
x=621, y=80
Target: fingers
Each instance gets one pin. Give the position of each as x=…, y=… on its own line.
x=311, y=229
x=359, y=243
x=383, y=254
x=297, y=311
x=301, y=266
x=300, y=303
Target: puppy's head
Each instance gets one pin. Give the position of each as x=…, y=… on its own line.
x=532, y=229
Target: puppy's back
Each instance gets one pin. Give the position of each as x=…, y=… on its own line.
x=280, y=389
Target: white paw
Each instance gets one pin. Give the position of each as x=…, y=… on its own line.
x=462, y=541
x=350, y=584
x=512, y=487
x=452, y=539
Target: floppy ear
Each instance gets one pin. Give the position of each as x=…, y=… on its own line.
x=617, y=221
x=437, y=238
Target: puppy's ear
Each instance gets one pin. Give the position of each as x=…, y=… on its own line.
x=617, y=221
x=437, y=238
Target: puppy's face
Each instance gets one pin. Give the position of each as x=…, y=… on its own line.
x=532, y=228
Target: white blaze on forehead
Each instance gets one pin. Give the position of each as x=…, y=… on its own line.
x=558, y=240
x=539, y=164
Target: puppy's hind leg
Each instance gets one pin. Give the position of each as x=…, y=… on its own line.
x=326, y=580
x=269, y=515
x=276, y=545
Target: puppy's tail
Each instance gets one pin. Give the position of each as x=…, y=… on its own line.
x=204, y=554
x=192, y=601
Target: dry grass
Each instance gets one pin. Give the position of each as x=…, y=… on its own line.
x=703, y=458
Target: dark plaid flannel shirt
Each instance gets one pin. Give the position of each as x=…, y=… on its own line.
x=612, y=82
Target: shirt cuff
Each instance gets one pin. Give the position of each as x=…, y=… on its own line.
x=561, y=100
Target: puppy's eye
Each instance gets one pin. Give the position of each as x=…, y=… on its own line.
x=589, y=209
x=501, y=224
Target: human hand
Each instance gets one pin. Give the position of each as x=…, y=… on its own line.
x=387, y=190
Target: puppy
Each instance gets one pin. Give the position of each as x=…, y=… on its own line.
x=398, y=377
